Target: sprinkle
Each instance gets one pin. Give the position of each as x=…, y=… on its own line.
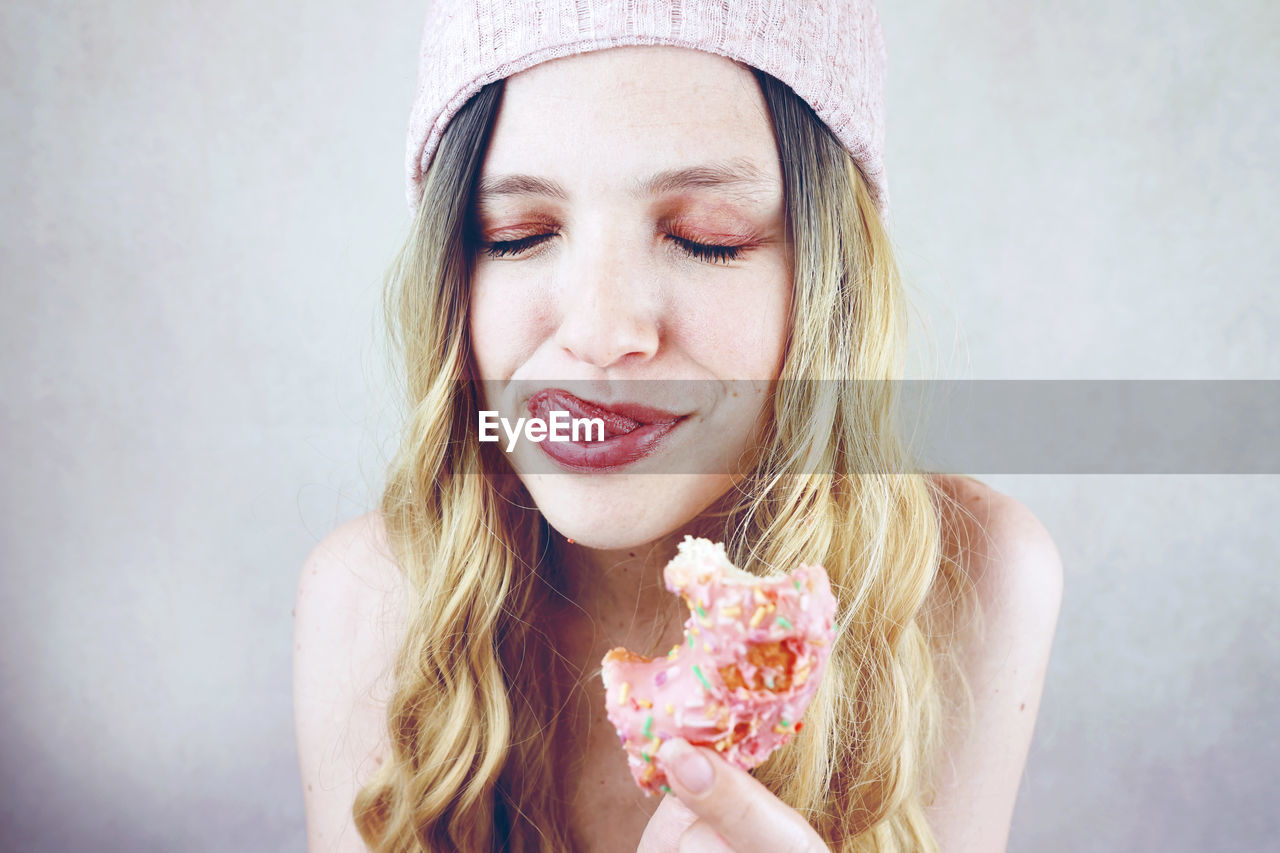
x=664, y=789
x=707, y=646
x=785, y=724
x=660, y=678
x=768, y=681
x=731, y=610
x=701, y=677
x=647, y=757
x=782, y=621
x=644, y=703
x=622, y=693
x=702, y=614
x=797, y=583
x=757, y=617
x=798, y=725
x=570, y=541
x=670, y=709
x=674, y=651
x=759, y=595
x=779, y=730
x=647, y=731
x=691, y=641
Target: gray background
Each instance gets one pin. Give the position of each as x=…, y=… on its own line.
x=199, y=201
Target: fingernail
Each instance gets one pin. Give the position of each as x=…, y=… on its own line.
x=690, y=768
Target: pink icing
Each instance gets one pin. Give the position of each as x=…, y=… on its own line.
x=777, y=632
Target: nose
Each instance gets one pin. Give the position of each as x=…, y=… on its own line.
x=609, y=305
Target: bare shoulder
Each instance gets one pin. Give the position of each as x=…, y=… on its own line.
x=354, y=558
x=347, y=626
x=1002, y=647
x=1006, y=552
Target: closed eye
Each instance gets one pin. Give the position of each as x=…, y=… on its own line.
x=702, y=251
x=707, y=251
x=502, y=248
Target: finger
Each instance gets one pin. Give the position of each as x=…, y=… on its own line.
x=668, y=822
x=745, y=813
x=701, y=838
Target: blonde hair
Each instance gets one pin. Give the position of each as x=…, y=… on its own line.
x=474, y=718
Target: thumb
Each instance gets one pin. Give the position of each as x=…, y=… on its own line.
x=743, y=812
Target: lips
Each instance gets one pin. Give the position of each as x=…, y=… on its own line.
x=619, y=418
x=632, y=431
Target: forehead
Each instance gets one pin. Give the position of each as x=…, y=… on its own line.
x=613, y=116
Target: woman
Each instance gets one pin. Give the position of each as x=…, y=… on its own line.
x=667, y=225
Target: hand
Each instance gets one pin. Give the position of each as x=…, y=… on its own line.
x=721, y=809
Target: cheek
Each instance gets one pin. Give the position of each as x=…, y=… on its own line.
x=739, y=331
x=504, y=325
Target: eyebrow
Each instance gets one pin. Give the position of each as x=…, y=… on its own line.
x=738, y=176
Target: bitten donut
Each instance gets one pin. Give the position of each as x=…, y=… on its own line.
x=753, y=655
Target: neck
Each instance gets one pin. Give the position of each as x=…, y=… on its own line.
x=618, y=595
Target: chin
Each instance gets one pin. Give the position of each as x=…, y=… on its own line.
x=619, y=512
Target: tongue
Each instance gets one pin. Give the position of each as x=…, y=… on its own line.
x=614, y=423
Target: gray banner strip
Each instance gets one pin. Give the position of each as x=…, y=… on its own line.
x=1095, y=426
x=1070, y=426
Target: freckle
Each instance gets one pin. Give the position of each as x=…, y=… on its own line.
x=308, y=786
x=298, y=647
x=632, y=554
x=1022, y=707
x=293, y=612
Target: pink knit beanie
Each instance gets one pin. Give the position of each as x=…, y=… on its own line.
x=830, y=52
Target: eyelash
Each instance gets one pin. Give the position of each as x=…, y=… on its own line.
x=701, y=251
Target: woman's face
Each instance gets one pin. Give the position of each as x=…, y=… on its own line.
x=604, y=172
